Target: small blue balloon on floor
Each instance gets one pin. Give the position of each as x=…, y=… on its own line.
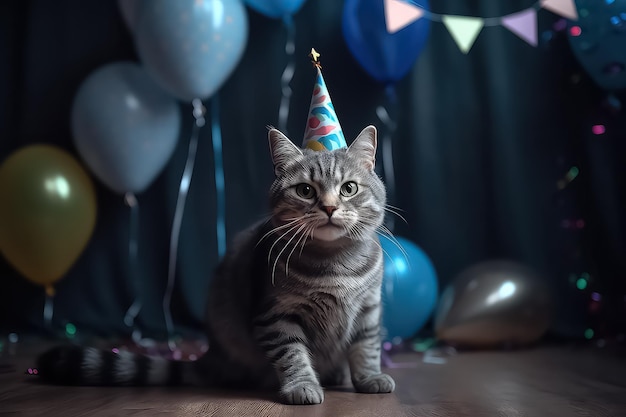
x=410, y=288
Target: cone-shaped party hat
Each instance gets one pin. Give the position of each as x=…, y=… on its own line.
x=323, y=131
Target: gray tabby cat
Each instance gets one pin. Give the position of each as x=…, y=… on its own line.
x=295, y=303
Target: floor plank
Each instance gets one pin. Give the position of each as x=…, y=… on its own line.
x=545, y=381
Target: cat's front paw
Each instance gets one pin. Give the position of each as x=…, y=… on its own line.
x=302, y=393
x=375, y=384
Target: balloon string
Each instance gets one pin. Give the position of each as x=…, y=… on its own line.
x=185, y=181
x=48, y=310
x=285, y=80
x=387, y=148
x=220, y=199
x=133, y=243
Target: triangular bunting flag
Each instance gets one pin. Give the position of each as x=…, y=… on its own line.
x=523, y=24
x=464, y=30
x=399, y=14
x=565, y=8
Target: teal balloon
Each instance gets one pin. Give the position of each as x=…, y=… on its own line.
x=410, y=288
x=124, y=126
x=191, y=47
x=275, y=8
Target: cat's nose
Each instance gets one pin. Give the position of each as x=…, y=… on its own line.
x=329, y=209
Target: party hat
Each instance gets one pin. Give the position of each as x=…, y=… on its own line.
x=323, y=131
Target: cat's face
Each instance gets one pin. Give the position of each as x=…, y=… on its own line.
x=326, y=195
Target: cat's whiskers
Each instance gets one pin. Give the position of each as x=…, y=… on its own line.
x=395, y=210
x=377, y=242
x=276, y=229
x=301, y=226
x=308, y=235
x=354, y=231
x=346, y=229
x=384, y=230
x=295, y=245
x=387, y=234
x=358, y=231
x=290, y=220
x=291, y=229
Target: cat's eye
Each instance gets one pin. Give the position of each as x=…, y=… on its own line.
x=305, y=190
x=349, y=189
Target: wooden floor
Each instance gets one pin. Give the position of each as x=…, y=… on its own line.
x=543, y=381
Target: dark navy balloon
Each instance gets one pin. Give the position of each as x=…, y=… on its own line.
x=598, y=40
x=275, y=8
x=387, y=57
x=125, y=126
x=410, y=288
x=190, y=47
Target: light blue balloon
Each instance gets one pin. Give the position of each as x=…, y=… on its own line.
x=125, y=126
x=275, y=8
x=410, y=288
x=190, y=47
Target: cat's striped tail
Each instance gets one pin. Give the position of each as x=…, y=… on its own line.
x=75, y=365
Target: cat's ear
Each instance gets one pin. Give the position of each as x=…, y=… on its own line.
x=283, y=150
x=364, y=147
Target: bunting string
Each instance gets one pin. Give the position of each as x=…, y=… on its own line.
x=465, y=29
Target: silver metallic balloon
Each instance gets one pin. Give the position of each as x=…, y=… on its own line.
x=492, y=304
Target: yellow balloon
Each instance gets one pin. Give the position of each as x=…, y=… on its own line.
x=47, y=214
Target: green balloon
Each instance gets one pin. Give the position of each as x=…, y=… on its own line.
x=47, y=214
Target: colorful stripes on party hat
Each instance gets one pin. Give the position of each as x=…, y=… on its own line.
x=323, y=131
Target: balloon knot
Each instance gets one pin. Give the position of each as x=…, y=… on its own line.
x=50, y=291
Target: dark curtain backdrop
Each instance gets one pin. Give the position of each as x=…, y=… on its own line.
x=482, y=140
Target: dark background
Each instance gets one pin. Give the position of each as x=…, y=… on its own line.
x=482, y=141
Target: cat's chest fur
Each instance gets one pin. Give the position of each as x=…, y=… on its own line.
x=326, y=314
x=325, y=295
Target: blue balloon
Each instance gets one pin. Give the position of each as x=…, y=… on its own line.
x=275, y=8
x=410, y=288
x=598, y=40
x=190, y=47
x=387, y=57
x=125, y=126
